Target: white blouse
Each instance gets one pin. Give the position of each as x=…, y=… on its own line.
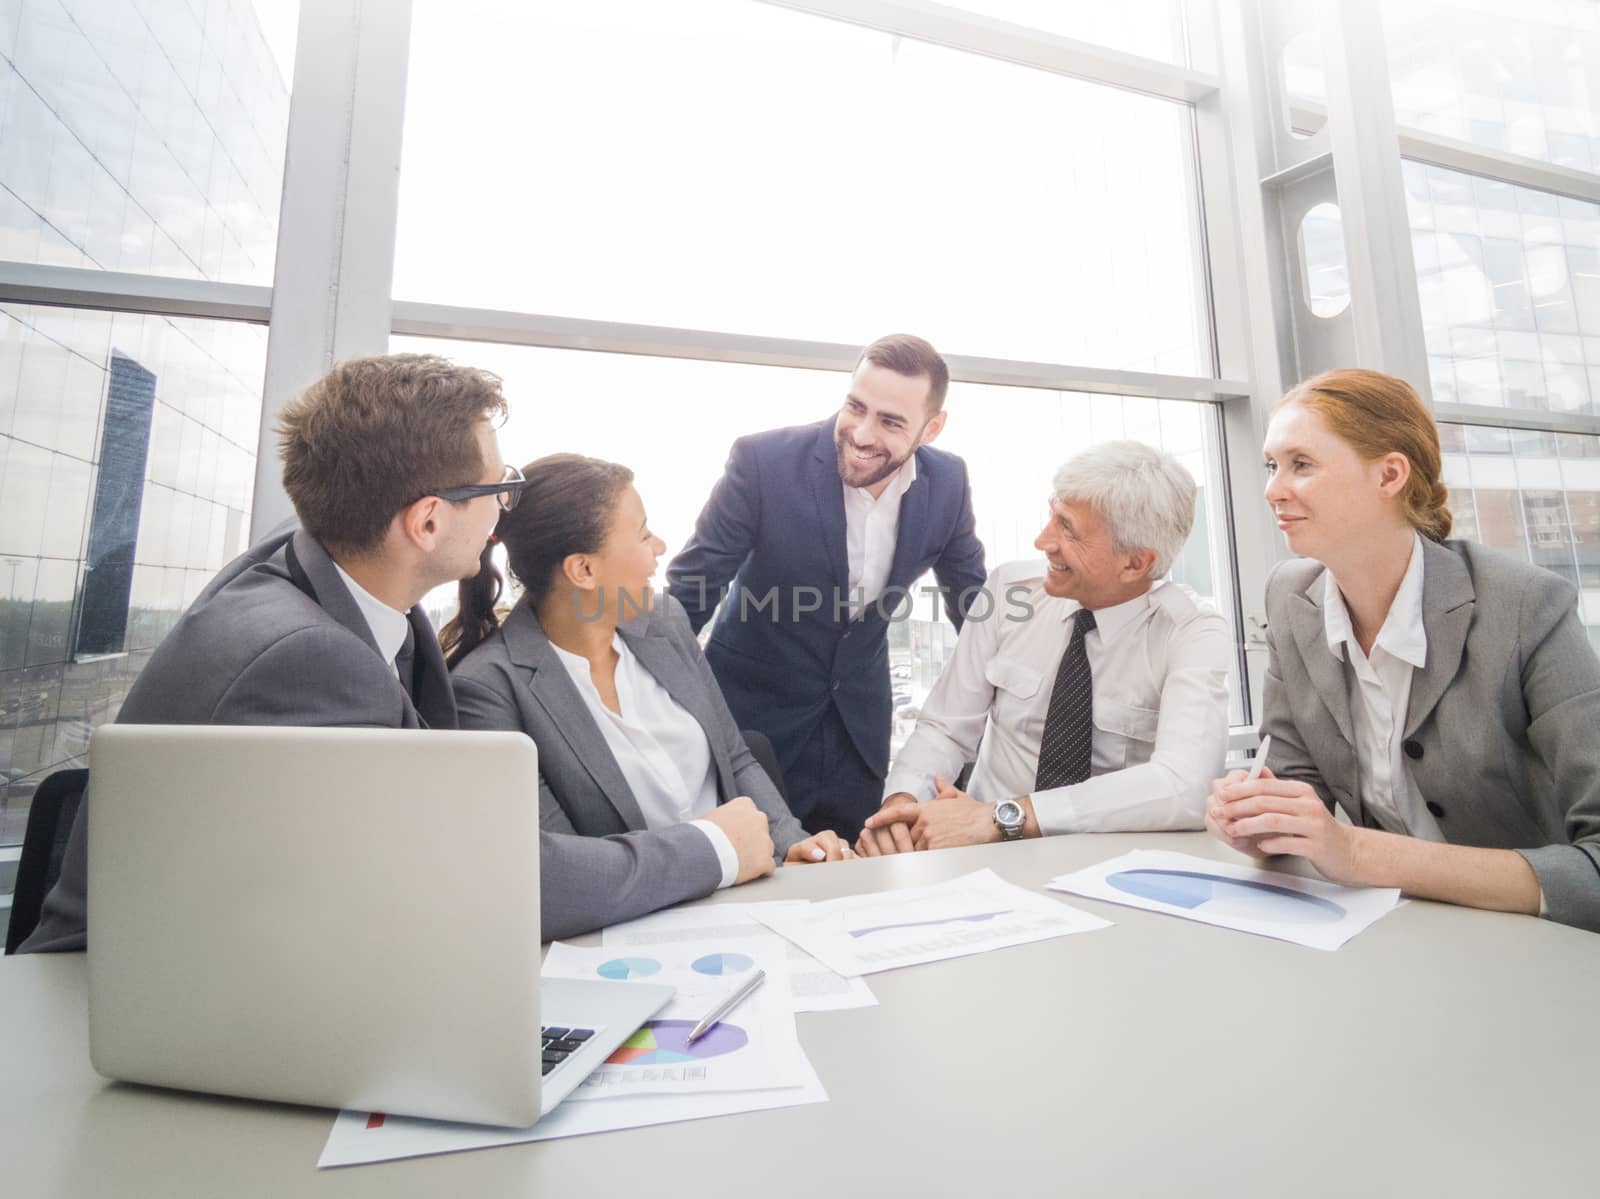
x=661, y=749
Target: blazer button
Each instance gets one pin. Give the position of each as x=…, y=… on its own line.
x=1435, y=810
x=1413, y=750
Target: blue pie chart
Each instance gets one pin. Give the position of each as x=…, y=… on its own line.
x=625, y=968
x=1222, y=896
x=722, y=963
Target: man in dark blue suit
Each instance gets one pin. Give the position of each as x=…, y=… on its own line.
x=822, y=530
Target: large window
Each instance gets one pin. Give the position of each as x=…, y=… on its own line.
x=148, y=139
x=1509, y=280
x=1533, y=494
x=728, y=165
x=128, y=454
x=140, y=137
x=1516, y=77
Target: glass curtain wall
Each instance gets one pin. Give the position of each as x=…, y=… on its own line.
x=143, y=137
x=1508, y=276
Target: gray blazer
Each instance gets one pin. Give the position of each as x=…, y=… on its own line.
x=276, y=638
x=513, y=680
x=1502, y=737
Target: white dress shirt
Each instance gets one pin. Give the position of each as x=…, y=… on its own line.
x=871, y=527
x=1160, y=669
x=1380, y=697
x=389, y=627
x=660, y=747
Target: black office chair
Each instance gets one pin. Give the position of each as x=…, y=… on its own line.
x=761, y=749
x=54, y=808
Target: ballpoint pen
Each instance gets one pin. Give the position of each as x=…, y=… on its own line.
x=1261, y=758
x=726, y=1006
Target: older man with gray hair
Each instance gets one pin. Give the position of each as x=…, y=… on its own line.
x=1094, y=695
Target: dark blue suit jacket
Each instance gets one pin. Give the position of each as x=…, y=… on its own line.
x=783, y=647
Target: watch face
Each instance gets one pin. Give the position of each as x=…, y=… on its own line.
x=1008, y=813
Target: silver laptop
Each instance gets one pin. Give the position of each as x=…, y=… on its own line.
x=340, y=917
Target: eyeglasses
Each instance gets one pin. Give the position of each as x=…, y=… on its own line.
x=507, y=491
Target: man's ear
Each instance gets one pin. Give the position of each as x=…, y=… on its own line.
x=932, y=428
x=418, y=524
x=1137, y=565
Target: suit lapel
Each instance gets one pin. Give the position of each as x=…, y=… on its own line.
x=1448, y=602
x=1326, y=671
x=662, y=659
x=910, y=531
x=315, y=574
x=313, y=571
x=828, y=489
x=567, y=712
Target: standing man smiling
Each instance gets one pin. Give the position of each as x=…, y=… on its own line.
x=821, y=529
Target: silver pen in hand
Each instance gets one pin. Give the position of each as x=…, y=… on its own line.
x=727, y=1005
x=1261, y=758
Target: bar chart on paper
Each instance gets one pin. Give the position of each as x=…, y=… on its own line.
x=862, y=934
x=979, y=918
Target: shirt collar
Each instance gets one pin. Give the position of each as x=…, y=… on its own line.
x=389, y=627
x=1110, y=622
x=1402, y=635
x=898, y=485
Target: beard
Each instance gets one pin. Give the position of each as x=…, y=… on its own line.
x=855, y=474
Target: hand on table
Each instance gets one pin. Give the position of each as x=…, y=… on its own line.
x=951, y=818
x=746, y=827
x=880, y=838
x=1270, y=815
x=826, y=846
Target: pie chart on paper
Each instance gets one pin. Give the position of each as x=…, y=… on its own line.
x=626, y=968
x=722, y=963
x=1218, y=895
x=664, y=1041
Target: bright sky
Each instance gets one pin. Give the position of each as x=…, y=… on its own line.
x=279, y=19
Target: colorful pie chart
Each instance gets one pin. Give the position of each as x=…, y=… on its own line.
x=722, y=963
x=662, y=1041
x=625, y=968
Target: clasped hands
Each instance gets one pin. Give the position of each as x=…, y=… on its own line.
x=951, y=817
x=1269, y=815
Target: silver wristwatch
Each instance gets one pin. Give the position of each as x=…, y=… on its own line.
x=1009, y=818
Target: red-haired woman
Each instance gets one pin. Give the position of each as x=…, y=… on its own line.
x=1444, y=695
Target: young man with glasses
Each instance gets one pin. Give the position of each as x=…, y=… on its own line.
x=395, y=472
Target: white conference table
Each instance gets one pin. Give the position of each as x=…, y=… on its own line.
x=1441, y=1052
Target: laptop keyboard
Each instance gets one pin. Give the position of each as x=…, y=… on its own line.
x=560, y=1044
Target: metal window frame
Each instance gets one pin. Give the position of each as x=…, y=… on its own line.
x=444, y=321
x=974, y=33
